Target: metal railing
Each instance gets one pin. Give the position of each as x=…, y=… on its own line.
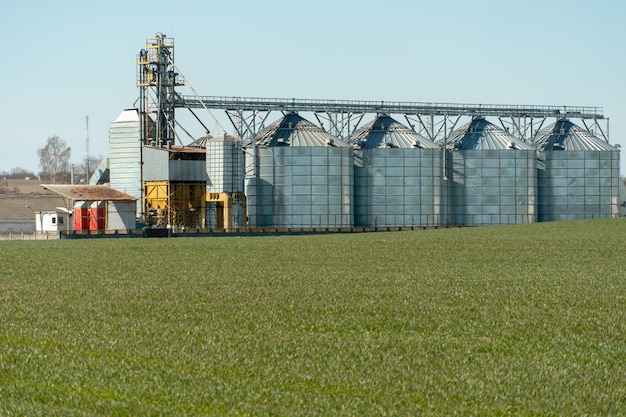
x=390, y=107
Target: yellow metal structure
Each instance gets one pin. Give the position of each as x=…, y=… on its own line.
x=175, y=204
x=224, y=209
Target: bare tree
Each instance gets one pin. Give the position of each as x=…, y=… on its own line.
x=54, y=159
x=83, y=172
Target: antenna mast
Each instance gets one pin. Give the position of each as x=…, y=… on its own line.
x=87, y=150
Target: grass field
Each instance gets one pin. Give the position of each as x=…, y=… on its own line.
x=510, y=320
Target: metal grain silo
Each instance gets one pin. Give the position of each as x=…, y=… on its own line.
x=225, y=172
x=397, y=175
x=299, y=176
x=126, y=155
x=578, y=174
x=492, y=176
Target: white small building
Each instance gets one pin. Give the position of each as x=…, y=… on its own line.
x=53, y=221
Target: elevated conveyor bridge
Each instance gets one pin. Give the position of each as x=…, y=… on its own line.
x=432, y=120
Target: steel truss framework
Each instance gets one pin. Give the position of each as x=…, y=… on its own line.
x=157, y=80
x=434, y=121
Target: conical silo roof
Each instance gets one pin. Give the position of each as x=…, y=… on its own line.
x=565, y=135
x=201, y=142
x=294, y=130
x=385, y=132
x=479, y=134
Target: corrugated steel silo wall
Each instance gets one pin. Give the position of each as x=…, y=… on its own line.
x=258, y=191
x=578, y=185
x=490, y=187
x=125, y=159
x=301, y=187
x=398, y=187
x=224, y=167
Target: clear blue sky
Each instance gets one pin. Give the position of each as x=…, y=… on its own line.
x=64, y=60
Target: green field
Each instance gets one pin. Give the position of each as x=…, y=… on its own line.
x=509, y=320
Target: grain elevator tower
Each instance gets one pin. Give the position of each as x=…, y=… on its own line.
x=157, y=79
